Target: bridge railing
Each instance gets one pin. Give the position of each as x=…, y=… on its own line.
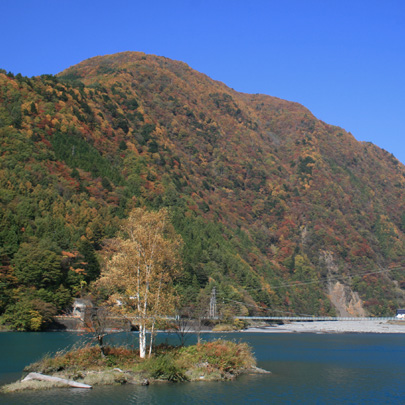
x=316, y=318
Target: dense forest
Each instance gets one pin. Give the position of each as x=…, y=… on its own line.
x=278, y=210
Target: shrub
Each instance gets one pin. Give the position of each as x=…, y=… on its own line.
x=223, y=355
x=165, y=368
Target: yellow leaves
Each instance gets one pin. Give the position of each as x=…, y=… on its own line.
x=268, y=288
x=132, y=148
x=142, y=263
x=26, y=106
x=58, y=209
x=35, y=320
x=158, y=130
x=89, y=233
x=299, y=261
x=77, y=92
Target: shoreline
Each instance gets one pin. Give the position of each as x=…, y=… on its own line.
x=221, y=360
x=290, y=327
x=332, y=327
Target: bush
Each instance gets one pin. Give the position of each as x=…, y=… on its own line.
x=222, y=355
x=165, y=368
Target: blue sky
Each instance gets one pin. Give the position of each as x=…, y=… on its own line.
x=344, y=60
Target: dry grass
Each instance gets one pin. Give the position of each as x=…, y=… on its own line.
x=31, y=385
x=217, y=360
x=86, y=358
x=223, y=327
x=222, y=356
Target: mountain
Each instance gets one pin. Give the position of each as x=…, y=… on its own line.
x=277, y=209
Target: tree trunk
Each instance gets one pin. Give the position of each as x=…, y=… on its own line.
x=100, y=340
x=152, y=332
x=142, y=340
x=199, y=330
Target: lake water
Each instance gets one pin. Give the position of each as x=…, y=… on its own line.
x=306, y=368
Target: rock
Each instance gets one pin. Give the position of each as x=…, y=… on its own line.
x=43, y=377
x=257, y=370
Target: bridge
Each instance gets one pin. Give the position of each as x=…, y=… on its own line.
x=316, y=318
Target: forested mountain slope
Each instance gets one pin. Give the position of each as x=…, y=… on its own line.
x=278, y=210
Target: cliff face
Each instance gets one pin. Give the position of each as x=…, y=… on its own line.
x=259, y=188
x=345, y=301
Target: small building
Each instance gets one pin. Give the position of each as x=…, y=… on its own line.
x=400, y=314
x=79, y=307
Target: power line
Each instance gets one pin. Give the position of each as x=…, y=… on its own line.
x=300, y=283
x=264, y=309
x=315, y=281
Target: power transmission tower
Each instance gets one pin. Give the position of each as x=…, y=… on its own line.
x=213, y=304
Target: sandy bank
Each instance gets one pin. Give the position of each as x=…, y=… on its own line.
x=334, y=327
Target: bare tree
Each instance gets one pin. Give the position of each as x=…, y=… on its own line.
x=183, y=325
x=100, y=322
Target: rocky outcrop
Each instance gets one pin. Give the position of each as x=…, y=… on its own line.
x=346, y=301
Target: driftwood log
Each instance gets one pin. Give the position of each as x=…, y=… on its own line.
x=43, y=377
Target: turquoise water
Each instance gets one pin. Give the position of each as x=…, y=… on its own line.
x=306, y=368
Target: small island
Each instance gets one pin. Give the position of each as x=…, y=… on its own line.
x=209, y=361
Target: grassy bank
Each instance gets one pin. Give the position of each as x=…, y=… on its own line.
x=217, y=360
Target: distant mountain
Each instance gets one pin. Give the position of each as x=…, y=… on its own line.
x=278, y=210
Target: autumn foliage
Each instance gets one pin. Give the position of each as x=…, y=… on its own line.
x=260, y=191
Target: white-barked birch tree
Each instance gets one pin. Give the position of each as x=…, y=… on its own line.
x=139, y=270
